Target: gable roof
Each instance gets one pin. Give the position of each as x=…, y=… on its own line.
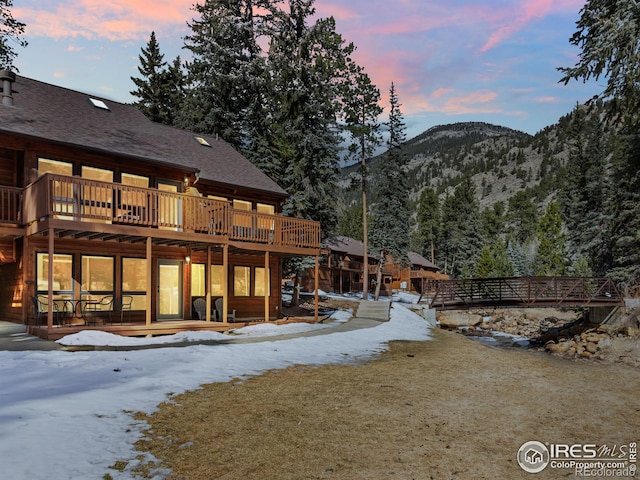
x=355, y=248
x=68, y=117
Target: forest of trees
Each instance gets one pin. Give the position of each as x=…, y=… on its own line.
x=280, y=84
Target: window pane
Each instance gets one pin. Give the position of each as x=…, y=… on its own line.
x=134, y=275
x=62, y=272
x=135, y=180
x=242, y=205
x=241, y=281
x=217, y=279
x=197, y=280
x=97, y=274
x=46, y=165
x=264, y=208
x=99, y=174
x=259, y=289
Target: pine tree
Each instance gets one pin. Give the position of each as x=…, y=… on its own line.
x=551, y=258
x=225, y=65
x=360, y=112
x=160, y=88
x=428, y=219
x=460, y=240
x=486, y=264
x=608, y=37
x=390, y=230
x=11, y=30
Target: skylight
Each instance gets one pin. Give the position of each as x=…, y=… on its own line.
x=202, y=141
x=98, y=104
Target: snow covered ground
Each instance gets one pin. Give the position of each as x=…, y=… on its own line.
x=68, y=415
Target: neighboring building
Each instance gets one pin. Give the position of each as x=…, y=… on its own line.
x=342, y=270
x=100, y=207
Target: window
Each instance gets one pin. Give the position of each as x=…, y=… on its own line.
x=99, y=104
x=134, y=281
x=134, y=180
x=260, y=287
x=62, y=275
x=241, y=281
x=198, y=280
x=242, y=205
x=46, y=165
x=95, y=199
x=264, y=208
x=99, y=174
x=97, y=277
x=217, y=280
x=62, y=191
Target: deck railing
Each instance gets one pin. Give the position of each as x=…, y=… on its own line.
x=83, y=200
x=10, y=201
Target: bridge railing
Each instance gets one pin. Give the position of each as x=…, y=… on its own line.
x=526, y=291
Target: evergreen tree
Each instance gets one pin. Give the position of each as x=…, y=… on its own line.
x=486, y=264
x=390, y=222
x=504, y=267
x=225, y=65
x=350, y=221
x=11, y=30
x=608, y=37
x=551, y=258
x=160, y=88
x=360, y=113
x=587, y=185
x=460, y=239
x=523, y=215
x=428, y=219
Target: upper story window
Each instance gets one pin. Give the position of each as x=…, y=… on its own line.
x=264, y=208
x=99, y=174
x=242, y=205
x=46, y=165
x=135, y=180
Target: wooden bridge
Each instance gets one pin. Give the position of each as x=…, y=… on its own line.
x=525, y=292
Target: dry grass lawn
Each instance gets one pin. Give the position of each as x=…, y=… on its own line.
x=451, y=408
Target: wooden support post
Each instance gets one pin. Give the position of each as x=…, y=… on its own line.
x=267, y=286
x=225, y=282
x=207, y=288
x=50, y=281
x=149, y=282
x=317, y=284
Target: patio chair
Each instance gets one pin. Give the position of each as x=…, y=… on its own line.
x=104, y=305
x=231, y=317
x=200, y=306
x=120, y=305
x=40, y=310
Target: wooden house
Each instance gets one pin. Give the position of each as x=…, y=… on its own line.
x=342, y=270
x=111, y=221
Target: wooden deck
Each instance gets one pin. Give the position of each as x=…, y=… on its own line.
x=139, y=329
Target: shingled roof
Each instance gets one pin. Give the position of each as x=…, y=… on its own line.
x=69, y=117
x=355, y=248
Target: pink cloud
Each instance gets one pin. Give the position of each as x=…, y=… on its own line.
x=515, y=19
x=114, y=20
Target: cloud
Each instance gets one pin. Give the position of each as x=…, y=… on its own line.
x=113, y=20
x=517, y=18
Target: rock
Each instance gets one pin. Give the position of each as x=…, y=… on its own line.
x=586, y=354
x=458, y=319
x=561, y=347
x=591, y=347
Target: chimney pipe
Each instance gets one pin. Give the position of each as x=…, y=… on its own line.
x=7, y=77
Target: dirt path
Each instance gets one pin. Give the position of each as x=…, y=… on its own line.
x=452, y=408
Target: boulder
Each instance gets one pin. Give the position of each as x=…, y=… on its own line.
x=458, y=319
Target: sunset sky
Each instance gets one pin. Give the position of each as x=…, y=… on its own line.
x=463, y=60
